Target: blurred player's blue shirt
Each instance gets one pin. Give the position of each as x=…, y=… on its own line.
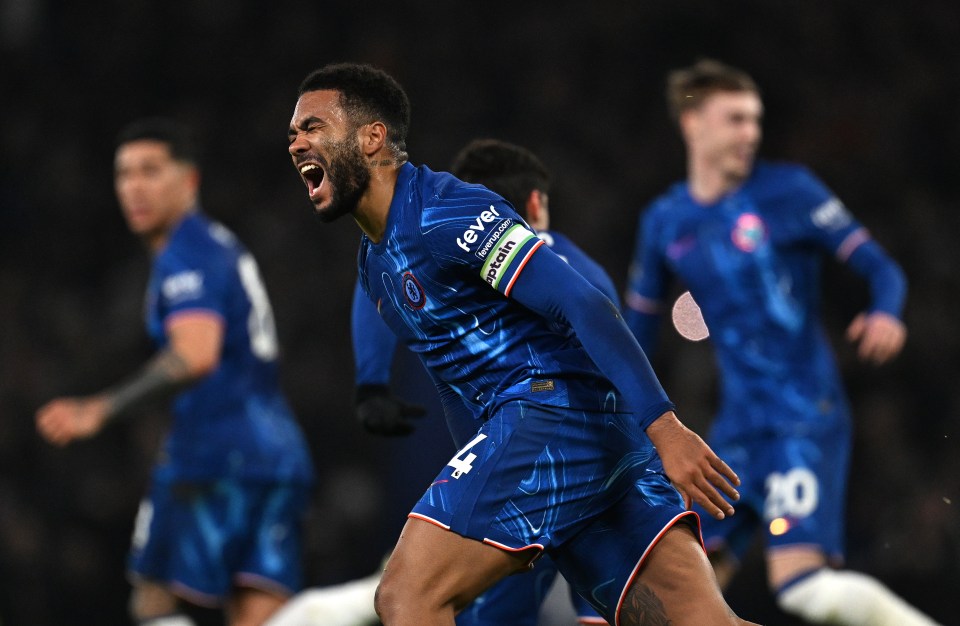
x=234, y=422
x=752, y=262
x=578, y=260
x=446, y=244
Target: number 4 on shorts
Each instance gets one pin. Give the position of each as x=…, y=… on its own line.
x=462, y=464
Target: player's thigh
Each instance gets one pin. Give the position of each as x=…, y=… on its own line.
x=252, y=607
x=440, y=568
x=786, y=563
x=676, y=583
x=151, y=599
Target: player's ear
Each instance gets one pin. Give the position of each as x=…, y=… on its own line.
x=191, y=176
x=688, y=122
x=537, y=211
x=373, y=137
x=533, y=205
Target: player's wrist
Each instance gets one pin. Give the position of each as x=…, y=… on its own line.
x=364, y=392
x=666, y=423
x=97, y=407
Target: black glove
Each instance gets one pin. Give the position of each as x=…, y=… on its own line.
x=382, y=413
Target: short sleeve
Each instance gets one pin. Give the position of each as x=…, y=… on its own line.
x=194, y=283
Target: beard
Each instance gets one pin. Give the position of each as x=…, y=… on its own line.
x=349, y=179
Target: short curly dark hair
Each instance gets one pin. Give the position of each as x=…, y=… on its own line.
x=508, y=169
x=178, y=137
x=367, y=94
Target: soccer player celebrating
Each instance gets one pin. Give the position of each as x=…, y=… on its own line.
x=563, y=460
x=747, y=238
x=235, y=470
x=524, y=181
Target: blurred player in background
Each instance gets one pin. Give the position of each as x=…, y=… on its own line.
x=222, y=522
x=563, y=458
x=747, y=240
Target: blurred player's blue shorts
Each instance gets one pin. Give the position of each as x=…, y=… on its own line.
x=202, y=539
x=516, y=600
x=586, y=486
x=792, y=487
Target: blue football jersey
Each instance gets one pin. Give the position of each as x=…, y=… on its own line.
x=752, y=262
x=374, y=344
x=235, y=421
x=578, y=260
x=439, y=279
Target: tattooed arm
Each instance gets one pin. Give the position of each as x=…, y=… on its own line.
x=193, y=352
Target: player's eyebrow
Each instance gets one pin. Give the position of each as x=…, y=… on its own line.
x=303, y=125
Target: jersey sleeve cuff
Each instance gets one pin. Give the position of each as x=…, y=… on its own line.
x=654, y=411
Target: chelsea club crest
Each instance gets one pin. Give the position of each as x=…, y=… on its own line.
x=413, y=292
x=749, y=232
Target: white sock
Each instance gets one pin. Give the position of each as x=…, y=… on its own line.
x=347, y=604
x=168, y=620
x=848, y=598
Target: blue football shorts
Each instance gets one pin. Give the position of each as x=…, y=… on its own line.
x=516, y=600
x=793, y=489
x=203, y=539
x=585, y=486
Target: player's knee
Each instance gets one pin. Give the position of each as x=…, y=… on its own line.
x=403, y=597
x=168, y=620
x=390, y=600
x=149, y=601
x=386, y=598
x=843, y=597
x=154, y=605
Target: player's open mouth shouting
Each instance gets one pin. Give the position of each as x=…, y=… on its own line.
x=313, y=175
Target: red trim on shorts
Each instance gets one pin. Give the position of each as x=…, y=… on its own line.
x=507, y=548
x=428, y=519
x=205, y=600
x=489, y=542
x=261, y=583
x=643, y=557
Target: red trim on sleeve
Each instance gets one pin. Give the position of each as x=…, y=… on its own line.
x=526, y=258
x=851, y=243
x=643, y=304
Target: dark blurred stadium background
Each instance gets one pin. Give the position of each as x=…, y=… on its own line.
x=866, y=93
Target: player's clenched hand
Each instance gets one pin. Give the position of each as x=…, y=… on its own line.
x=382, y=413
x=698, y=473
x=881, y=336
x=64, y=420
